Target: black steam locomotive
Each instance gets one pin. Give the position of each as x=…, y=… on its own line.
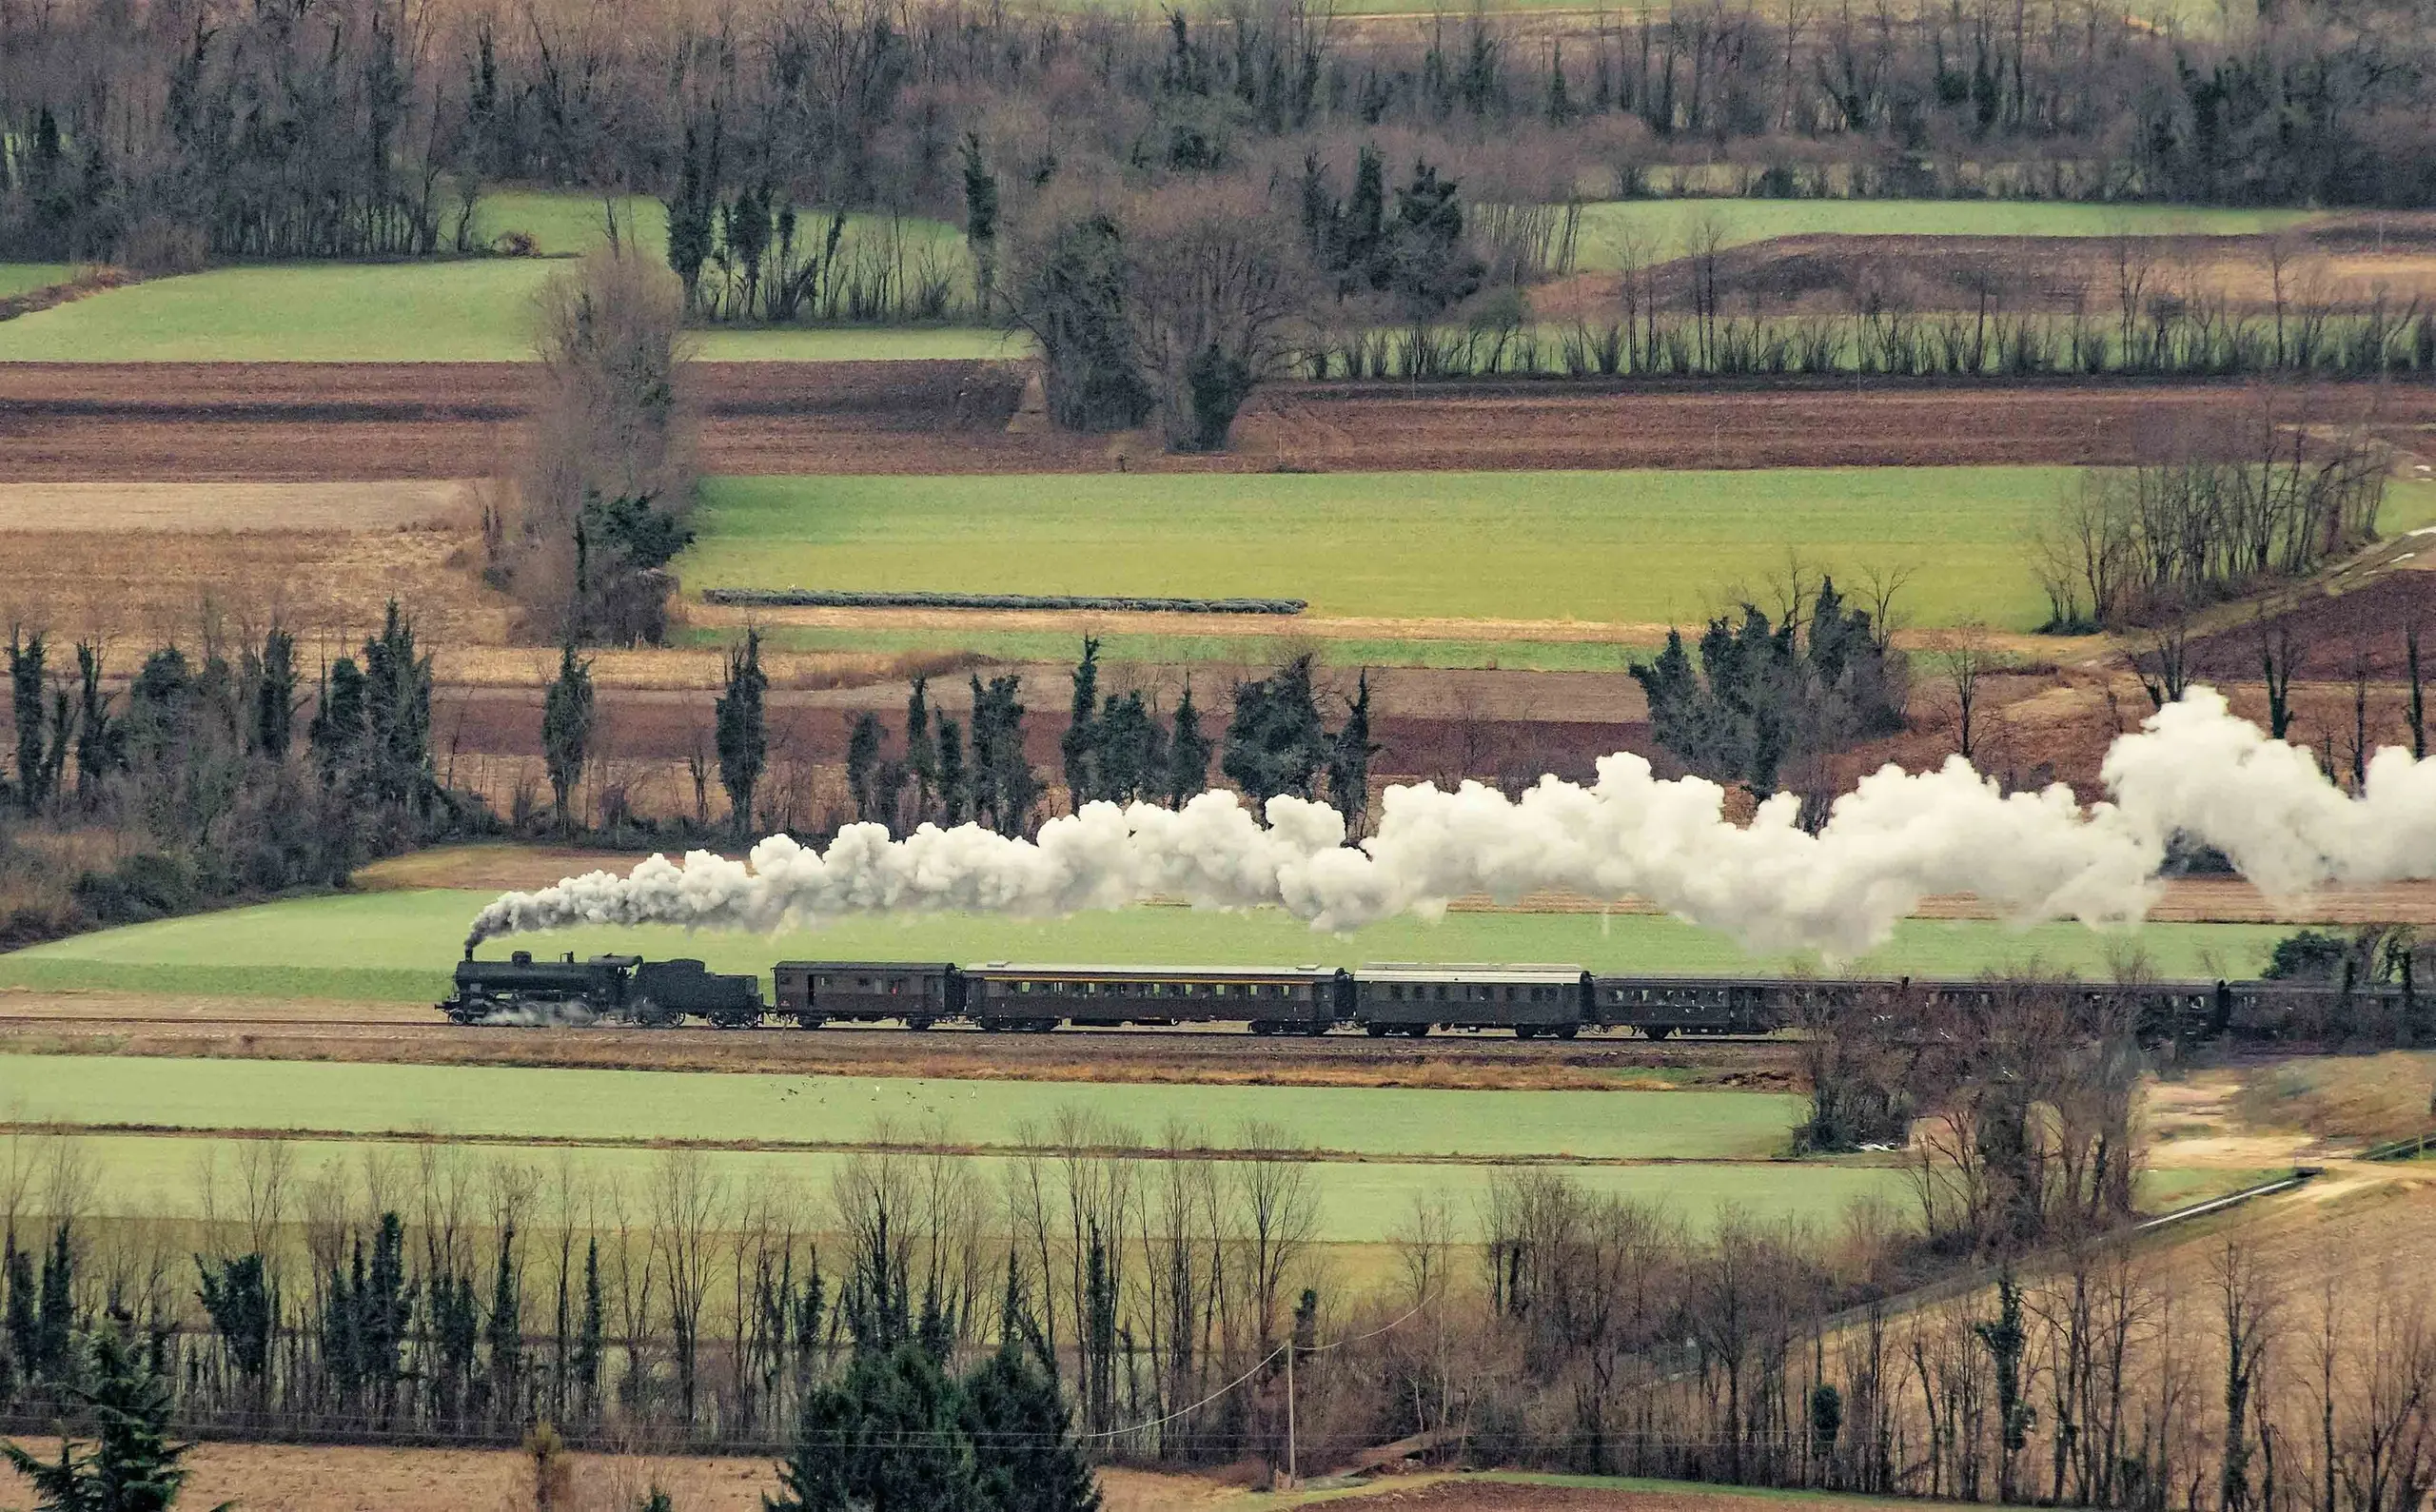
x=1525, y=1000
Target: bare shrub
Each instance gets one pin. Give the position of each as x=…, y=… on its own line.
x=608, y=471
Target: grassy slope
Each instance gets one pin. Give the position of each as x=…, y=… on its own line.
x=475, y=310
x=1663, y=225
x=397, y=947
x=468, y=311
x=1629, y=546
x=19, y=278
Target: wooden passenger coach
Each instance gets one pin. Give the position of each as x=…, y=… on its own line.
x=1531, y=1000
x=1295, y=1000
x=918, y=993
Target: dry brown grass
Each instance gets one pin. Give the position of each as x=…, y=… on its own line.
x=2366, y=1098
x=156, y=586
x=284, y=1478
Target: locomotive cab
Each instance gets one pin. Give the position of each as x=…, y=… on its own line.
x=521, y=989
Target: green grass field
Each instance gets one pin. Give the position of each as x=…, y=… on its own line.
x=400, y=946
x=1662, y=228
x=1360, y=1204
x=467, y=310
x=1664, y=546
x=978, y=1117
x=473, y=310
x=1387, y=1147
x=21, y=278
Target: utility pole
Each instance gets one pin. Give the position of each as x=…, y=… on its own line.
x=1290, y=1477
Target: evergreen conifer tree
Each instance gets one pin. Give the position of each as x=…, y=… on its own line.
x=132, y=1466
x=1080, y=744
x=743, y=731
x=566, y=730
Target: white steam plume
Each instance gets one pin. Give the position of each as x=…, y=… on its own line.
x=2192, y=768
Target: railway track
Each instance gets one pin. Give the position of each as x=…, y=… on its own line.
x=1192, y=1055
x=1347, y=1036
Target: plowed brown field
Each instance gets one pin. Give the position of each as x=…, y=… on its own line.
x=309, y=422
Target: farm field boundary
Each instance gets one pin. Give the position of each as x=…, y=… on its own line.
x=304, y=422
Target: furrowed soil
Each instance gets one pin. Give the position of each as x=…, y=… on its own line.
x=338, y=422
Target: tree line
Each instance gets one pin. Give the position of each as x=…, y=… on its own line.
x=353, y=128
x=204, y=777
x=941, y=768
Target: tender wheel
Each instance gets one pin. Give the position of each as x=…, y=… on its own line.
x=1568, y=1030
x=1526, y=1032
x=1380, y=1030
x=1656, y=1031
x=808, y=1020
x=919, y=1024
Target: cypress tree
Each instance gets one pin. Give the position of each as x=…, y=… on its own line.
x=56, y=1315
x=743, y=731
x=983, y=774
x=1080, y=744
x=862, y=755
x=244, y=1311
x=951, y=779
x=921, y=754
x=566, y=730
x=336, y=732
x=1188, y=754
x=275, y=695
x=1119, y=756
x=504, y=1332
x=25, y=687
x=589, y=1335
x=396, y=717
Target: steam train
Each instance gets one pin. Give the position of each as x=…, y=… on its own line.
x=1529, y=1001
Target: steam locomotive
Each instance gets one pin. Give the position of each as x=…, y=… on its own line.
x=1559, y=1001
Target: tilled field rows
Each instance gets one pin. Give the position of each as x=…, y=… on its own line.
x=336, y=421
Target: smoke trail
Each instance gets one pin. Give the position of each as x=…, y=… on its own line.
x=2192, y=769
